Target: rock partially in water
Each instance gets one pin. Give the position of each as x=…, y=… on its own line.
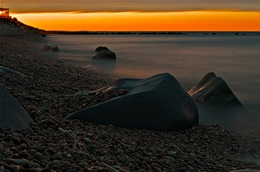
x=53, y=48
x=12, y=114
x=100, y=48
x=212, y=89
x=156, y=103
x=216, y=102
x=105, y=55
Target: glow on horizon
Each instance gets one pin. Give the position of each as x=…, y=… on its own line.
x=145, y=21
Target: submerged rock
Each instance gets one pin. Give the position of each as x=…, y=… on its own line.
x=156, y=103
x=12, y=114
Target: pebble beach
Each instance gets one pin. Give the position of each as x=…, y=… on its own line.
x=47, y=87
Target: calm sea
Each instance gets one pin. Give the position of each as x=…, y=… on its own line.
x=235, y=58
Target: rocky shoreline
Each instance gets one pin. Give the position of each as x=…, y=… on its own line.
x=48, y=93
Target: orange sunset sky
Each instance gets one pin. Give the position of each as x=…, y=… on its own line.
x=138, y=15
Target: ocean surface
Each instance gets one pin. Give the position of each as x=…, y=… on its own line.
x=235, y=58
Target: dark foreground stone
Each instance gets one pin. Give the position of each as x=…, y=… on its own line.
x=12, y=114
x=216, y=102
x=157, y=103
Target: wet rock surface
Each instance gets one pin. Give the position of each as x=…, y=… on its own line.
x=217, y=103
x=104, y=54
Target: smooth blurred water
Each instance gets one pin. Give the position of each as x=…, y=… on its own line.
x=235, y=58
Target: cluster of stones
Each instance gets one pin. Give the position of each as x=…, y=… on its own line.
x=47, y=92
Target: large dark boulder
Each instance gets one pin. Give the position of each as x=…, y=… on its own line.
x=105, y=55
x=12, y=114
x=157, y=103
x=52, y=48
x=216, y=102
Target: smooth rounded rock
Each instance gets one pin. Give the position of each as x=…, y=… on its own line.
x=156, y=103
x=105, y=55
x=100, y=48
x=52, y=48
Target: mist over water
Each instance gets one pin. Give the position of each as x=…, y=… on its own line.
x=235, y=58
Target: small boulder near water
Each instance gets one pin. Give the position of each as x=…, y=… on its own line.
x=216, y=102
x=100, y=48
x=52, y=48
x=156, y=103
x=12, y=114
x=104, y=54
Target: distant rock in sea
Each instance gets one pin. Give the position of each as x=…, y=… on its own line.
x=53, y=48
x=104, y=54
x=216, y=102
x=100, y=48
x=12, y=114
x=156, y=103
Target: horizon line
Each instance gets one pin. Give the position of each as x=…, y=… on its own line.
x=206, y=31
